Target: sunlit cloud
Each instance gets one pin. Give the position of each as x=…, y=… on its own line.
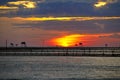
x=102, y=3
x=26, y=4
x=7, y=8
x=15, y=6
x=65, y=18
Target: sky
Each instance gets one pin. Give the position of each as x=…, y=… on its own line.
x=62, y=23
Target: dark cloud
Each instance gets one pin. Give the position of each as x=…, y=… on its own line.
x=70, y=8
x=90, y=27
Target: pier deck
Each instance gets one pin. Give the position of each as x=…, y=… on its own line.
x=61, y=51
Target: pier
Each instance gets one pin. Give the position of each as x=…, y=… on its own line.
x=61, y=51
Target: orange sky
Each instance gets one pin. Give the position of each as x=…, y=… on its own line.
x=52, y=36
x=86, y=40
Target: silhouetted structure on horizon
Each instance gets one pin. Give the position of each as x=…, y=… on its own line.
x=11, y=44
x=23, y=44
x=61, y=51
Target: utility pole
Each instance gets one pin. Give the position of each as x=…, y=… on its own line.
x=6, y=43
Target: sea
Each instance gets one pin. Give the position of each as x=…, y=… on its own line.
x=59, y=68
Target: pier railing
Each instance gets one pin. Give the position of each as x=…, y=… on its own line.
x=60, y=51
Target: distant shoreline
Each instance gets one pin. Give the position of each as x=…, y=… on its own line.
x=61, y=51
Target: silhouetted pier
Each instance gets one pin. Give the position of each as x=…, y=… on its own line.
x=61, y=51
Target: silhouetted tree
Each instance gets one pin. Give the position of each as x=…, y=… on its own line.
x=12, y=45
x=23, y=44
x=81, y=44
x=76, y=45
x=16, y=45
x=106, y=45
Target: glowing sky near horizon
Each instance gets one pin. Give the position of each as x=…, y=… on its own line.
x=67, y=41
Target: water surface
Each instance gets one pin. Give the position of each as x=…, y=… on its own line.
x=59, y=68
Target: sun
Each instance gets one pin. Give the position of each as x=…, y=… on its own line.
x=67, y=41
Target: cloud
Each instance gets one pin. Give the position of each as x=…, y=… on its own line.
x=66, y=18
x=102, y=3
x=114, y=35
x=92, y=26
x=89, y=25
x=55, y=8
x=7, y=8
x=102, y=26
x=10, y=6
x=15, y=7
x=85, y=1
x=110, y=1
x=25, y=4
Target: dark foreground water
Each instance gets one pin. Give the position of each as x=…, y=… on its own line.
x=59, y=68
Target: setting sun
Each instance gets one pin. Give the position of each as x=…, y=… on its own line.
x=67, y=41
